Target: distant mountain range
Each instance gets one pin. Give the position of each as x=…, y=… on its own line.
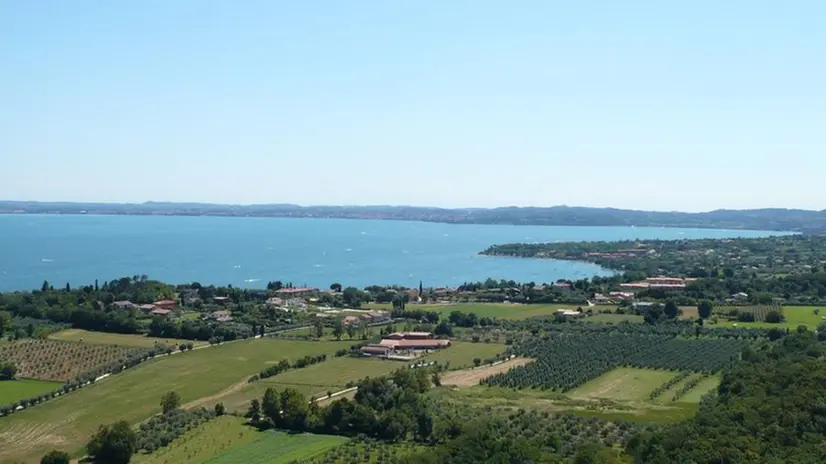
x=804, y=221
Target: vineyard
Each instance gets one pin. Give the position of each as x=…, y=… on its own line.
x=751, y=313
x=566, y=361
x=61, y=361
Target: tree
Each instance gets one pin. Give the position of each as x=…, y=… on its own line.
x=351, y=330
x=113, y=444
x=352, y=297
x=270, y=405
x=293, y=409
x=704, y=309
x=671, y=309
x=45, y=287
x=477, y=362
x=7, y=371
x=336, y=287
x=55, y=457
x=774, y=317
x=170, y=402
x=319, y=329
x=219, y=409
x=254, y=411
x=5, y=322
x=338, y=329
x=444, y=329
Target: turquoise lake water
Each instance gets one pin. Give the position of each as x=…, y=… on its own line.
x=251, y=251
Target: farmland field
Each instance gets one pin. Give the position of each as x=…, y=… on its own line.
x=623, y=384
x=202, y=442
x=103, y=338
x=354, y=452
x=14, y=390
x=461, y=354
x=334, y=374
x=497, y=310
x=58, y=360
x=135, y=394
x=697, y=393
x=272, y=447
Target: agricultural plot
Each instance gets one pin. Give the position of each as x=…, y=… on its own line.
x=58, y=360
x=103, y=338
x=461, y=354
x=755, y=313
x=615, y=318
x=14, y=390
x=366, y=452
x=497, y=310
x=566, y=361
x=623, y=384
x=201, y=443
x=67, y=422
x=272, y=447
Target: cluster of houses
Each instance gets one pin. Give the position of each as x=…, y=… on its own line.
x=404, y=345
x=158, y=308
x=666, y=283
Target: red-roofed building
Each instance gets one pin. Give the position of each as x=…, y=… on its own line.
x=166, y=304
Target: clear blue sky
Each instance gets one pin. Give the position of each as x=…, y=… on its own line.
x=667, y=105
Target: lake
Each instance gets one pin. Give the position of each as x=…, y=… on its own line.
x=252, y=251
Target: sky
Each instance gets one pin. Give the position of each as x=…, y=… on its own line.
x=678, y=105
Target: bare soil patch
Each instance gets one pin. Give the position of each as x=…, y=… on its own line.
x=472, y=377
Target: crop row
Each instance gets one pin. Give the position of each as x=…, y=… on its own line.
x=688, y=386
x=657, y=392
x=566, y=361
x=57, y=360
x=160, y=430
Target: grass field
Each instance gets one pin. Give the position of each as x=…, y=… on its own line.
x=14, y=390
x=273, y=447
x=498, y=310
x=336, y=373
x=697, y=393
x=623, y=384
x=134, y=395
x=461, y=354
x=203, y=442
x=541, y=400
x=137, y=341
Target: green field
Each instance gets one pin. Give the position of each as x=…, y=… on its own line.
x=795, y=316
x=335, y=374
x=497, y=310
x=551, y=402
x=135, y=394
x=623, y=384
x=461, y=354
x=203, y=442
x=697, y=393
x=14, y=390
x=273, y=447
x=372, y=452
x=103, y=338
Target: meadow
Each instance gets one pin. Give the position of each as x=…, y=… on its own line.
x=273, y=447
x=497, y=310
x=623, y=384
x=14, y=390
x=103, y=338
x=135, y=394
x=335, y=374
x=794, y=316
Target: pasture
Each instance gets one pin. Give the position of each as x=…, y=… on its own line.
x=59, y=360
x=334, y=374
x=133, y=395
x=15, y=390
x=103, y=338
x=623, y=384
x=497, y=310
x=273, y=447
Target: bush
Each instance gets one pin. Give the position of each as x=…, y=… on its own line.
x=774, y=317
